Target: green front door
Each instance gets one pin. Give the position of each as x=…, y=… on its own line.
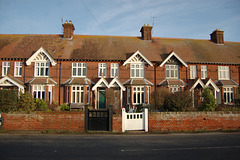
x=102, y=99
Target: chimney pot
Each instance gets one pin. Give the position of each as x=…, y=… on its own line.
x=68, y=29
x=217, y=36
x=146, y=31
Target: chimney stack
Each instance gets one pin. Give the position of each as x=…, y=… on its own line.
x=68, y=29
x=146, y=31
x=217, y=36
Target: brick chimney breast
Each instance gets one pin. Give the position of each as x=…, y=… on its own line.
x=217, y=36
x=68, y=29
x=146, y=31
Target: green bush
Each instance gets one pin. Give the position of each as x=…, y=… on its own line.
x=209, y=102
x=179, y=101
x=64, y=107
x=26, y=102
x=8, y=100
x=41, y=105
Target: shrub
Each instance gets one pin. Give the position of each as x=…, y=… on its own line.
x=158, y=97
x=26, y=102
x=41, y=105
x=179, y=101
x=8, y=100
x=209, y=102
x=64, y=107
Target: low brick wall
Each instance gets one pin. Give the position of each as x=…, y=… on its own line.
x=158, y=121
x=193, y=121
x=117, y=123
x=41, y=121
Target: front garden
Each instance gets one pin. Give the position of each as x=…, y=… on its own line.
x=161, y=101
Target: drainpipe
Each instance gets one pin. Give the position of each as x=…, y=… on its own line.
x=155, y=81
x=24, y=77
x=59, y=89
x=155, y=76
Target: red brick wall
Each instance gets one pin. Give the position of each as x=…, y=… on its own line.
x=159, y=121
x=117, y=123
x=193, y=121
x=40, y=121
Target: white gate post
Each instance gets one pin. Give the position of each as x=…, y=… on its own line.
x=146, y=119
x=123, y=120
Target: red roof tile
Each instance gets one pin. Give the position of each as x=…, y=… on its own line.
x=119, y=48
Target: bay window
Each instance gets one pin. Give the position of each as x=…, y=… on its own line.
x=77, y=94
x=138, y=95
x=39, y=91
x=228, y=95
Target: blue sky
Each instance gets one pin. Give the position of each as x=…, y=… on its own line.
x=194, y=19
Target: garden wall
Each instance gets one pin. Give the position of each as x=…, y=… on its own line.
x=41, y=121
x=158, y=121
x=193, y=121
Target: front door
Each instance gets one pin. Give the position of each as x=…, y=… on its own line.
x=102, y=99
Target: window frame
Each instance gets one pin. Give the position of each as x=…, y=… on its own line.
x=228, y=95
x=40, y=91
x=204, y=71
x=114, y=70
x=77, y=94
x=102, y=70
x=193, y=71
x=172, y=71
x=6, y=68
x=80, y=67
x=140, y=95
x=137, y=70
x=174, y=89
x=18, y=69
x=223, y=72
x=39, y=68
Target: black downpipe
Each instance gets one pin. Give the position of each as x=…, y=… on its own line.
x=59, y=83
x=24, y=77
x=155, y=76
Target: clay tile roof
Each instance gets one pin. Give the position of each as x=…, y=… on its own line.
x=83, y=47
x=176, y=82
x=78, y=81
x=137, y=82
x=226, y=83
x=42, y=81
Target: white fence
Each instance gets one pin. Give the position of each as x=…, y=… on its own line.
x=134, y=121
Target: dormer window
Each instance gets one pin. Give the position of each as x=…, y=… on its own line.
x=41, y=69
x=171, y=71
x=137, y=70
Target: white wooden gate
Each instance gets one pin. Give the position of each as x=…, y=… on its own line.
x=134, y=121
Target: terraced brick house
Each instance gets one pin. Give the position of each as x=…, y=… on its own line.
x=80, y=69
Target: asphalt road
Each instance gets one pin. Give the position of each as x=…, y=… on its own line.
x=206, y=146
